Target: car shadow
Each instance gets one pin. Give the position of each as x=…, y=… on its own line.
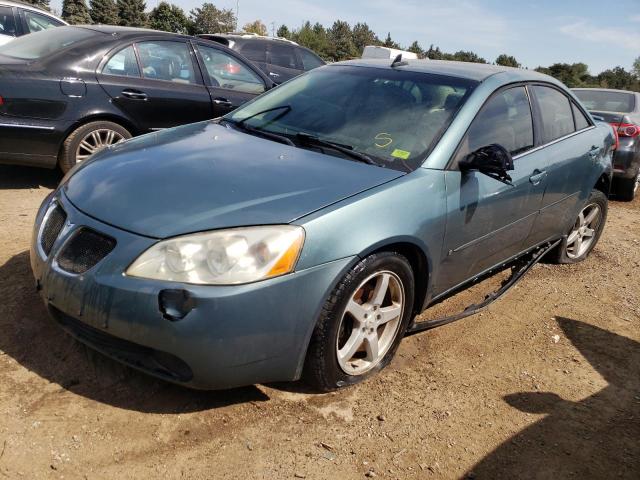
x=37, y=343
x=13, y=177
x=597, y=437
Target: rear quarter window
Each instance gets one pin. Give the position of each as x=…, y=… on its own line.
x=255, y=51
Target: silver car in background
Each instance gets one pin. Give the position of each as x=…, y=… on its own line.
x=17, y=19
x=621, y=109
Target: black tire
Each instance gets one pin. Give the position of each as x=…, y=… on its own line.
x=561, y=253
x=627, y=188
x=322, y=371
x=67, y=158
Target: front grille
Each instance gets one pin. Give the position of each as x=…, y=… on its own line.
x=52, y=227
x=150, y=360
x=84, y=250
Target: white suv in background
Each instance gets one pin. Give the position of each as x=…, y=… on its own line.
x=17, y=19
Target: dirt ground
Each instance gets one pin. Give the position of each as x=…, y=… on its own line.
x=544, y=384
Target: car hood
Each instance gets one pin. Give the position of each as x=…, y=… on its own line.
x=206, y=176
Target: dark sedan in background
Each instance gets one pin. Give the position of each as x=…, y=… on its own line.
x=622, y=110
x=68, y=92
x=279, y=58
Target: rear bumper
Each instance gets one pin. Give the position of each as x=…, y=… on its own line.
x=626, y=159
x=234, y=335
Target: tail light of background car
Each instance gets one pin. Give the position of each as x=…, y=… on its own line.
x=628, y=130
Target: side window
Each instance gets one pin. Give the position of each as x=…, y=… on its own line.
x=37, y=22
x=580, y=119
x=555, y=110
x=7, y=22
x=255, y=51
x=309, y=60
x=506, y=120
x=283, y=55
x=123, y=63
x=226, y=71
x=166, y=60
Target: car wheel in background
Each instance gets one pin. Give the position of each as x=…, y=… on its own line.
x=586, y=230
x=362, y=322
x=627, y=188
x=89, y=139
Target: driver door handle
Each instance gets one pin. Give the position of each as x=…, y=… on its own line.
x=537, y=176
x=134, y=94
x=223, y=102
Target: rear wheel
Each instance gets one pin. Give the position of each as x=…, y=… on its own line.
x=362, y=323
x=627, y=188
x=586, y=230
x=89, y=139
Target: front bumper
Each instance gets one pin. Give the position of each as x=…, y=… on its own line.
x=234, y=335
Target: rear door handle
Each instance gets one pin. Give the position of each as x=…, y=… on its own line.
x=537, y=176
x=594, y=152
x=223, y=102
x=134, y=94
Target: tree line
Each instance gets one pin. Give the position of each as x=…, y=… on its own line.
x=340, y=41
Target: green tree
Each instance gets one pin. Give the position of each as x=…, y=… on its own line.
x=75, y=12
x=617, y=78
x=210, y=19
x=314, y=37
x=362, y=36
x=572, y=75
x=283, y=32
x=636, y=67
x=132, y=13
x=388, y=42
x=104, y=12
x=341, y=41
x=44, y=4
x=507, y=61
x=256, y=27
x=463, y=56
x=434, y=53
x=169, y=18
x=417, y=49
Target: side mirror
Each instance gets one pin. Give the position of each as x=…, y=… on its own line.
x=493, y=160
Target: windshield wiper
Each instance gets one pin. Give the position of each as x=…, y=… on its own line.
x=260, y=133
x=348, y=150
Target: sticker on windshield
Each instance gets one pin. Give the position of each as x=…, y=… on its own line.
x=403, y=154
x=383, y=140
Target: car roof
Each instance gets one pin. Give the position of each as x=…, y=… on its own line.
x=468, y=70
x=249, y=37
x=27, y=6
x=605, y=90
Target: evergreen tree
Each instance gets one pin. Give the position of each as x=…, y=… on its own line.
x=169, y=18
x=256, y=27
x=434, y=53
x=132, y=13
x=417, y=49
x=104, y=12
x=636, y=67
x=341, y=41
x=43, y=4
x=363, y=36
x=283, y=32
x=75, y=12
x=507, y=61
x=209, y=19
x=388, y=42
x=462, y=56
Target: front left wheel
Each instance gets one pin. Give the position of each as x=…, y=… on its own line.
x=362, y=323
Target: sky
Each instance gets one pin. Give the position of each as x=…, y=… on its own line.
x=601, y=33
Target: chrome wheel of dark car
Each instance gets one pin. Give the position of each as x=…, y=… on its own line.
x=370, y=322
x=95, y=141
x=584, y=231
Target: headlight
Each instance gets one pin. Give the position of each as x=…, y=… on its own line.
x=222, y=257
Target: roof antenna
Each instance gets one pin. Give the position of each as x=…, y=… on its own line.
x=398, y=62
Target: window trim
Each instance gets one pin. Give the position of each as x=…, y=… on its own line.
x=452, y=164
x=205, y=74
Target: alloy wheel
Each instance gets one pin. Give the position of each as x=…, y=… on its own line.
x=584, y=230
x=95, y=141
x=370, y=323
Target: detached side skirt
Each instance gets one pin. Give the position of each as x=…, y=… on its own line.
x=519, y=268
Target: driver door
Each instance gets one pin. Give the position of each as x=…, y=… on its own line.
x=489, y=221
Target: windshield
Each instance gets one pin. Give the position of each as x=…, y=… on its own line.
x=601, y=100
x=37, y=45
x=391, y=116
